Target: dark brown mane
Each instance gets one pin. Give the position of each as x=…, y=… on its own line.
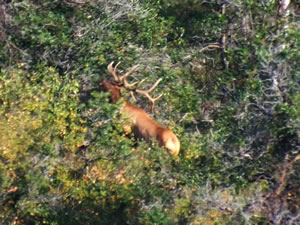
x=113, y=89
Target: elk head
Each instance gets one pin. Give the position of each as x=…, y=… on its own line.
x=140, y=122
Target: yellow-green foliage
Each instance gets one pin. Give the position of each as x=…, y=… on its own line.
x=38, y=111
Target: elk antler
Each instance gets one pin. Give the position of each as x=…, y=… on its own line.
x=122, y=81
x=146, y=93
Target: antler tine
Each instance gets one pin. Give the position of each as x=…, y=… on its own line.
x=130, y=71
x=146, y=93
x=123, y=78
x=113, y=71
x=154, y=85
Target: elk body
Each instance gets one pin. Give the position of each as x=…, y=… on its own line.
x=142, y=125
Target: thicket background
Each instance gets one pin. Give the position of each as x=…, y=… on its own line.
x=230, y=77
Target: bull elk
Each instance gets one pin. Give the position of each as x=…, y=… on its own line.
x=142, y=125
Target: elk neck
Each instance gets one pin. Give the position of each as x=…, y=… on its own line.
x=113, y=89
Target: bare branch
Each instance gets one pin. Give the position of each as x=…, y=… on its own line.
x=210, y=46
x=286, y=169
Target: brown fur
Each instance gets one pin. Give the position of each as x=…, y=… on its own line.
x=114, y=90
x=142, y=124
